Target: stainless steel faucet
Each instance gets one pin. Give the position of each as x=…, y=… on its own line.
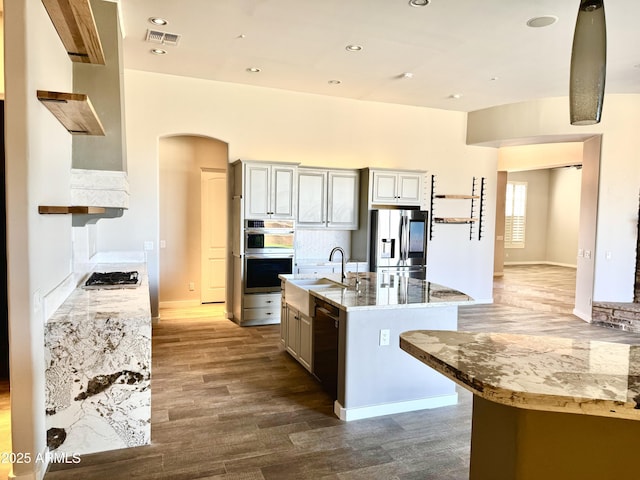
x=339, y=249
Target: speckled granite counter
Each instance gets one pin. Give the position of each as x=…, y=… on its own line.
x=527, y=390
x=98, y=364
x=384, y=291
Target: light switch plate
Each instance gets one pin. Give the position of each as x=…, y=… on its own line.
x=385, y=337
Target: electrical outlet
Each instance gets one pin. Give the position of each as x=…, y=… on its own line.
x=148, y=245
x=587, y=254
x=192, y=286
x=580, y=253
x=163, y=244
x=385, y=337
x=607, y=255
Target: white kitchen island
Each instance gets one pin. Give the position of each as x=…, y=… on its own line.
x=373, y=376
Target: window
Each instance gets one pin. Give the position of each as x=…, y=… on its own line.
x=515, y=214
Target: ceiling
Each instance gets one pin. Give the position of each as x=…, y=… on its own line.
x=482, y=52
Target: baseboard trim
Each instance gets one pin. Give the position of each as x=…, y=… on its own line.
x=555, y=264
x=180, y=304
x=358, y=413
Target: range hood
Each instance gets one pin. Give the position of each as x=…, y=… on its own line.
x=99, y=165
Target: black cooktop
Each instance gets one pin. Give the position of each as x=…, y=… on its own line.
x=112, y=279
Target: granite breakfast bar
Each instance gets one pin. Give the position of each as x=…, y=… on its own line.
x=543, y=407
x=374, y=377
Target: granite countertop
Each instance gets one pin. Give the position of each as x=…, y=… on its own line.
x=131, y=304
x=383, y=291
x=534, y=372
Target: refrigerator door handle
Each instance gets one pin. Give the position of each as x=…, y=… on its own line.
x=401, y=239
x=404, y=239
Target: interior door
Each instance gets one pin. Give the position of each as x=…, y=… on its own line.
x=214, y=236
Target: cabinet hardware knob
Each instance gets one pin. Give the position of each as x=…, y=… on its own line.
x=269, y=313
x=269, y=301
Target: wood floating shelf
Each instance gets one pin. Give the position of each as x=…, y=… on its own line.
x=462, y=197
x=61, y=210
x=454, y=220
x=76, y=27
x=74, y=111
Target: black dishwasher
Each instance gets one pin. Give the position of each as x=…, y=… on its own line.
x=325, y=346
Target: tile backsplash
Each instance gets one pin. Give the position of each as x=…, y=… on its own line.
x=317, y=244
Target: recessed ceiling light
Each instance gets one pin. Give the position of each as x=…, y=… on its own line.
x=353, y=48
x=455, y=96
x=493, y=79
x=253, y=70
x=334, y=82
x=407, y=75
x=158, y=51
x=544, y=21
x=158, y=21
x=419, y=3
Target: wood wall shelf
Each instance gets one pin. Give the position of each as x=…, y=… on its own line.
x=76, y=27
x=454, y=220
x=462, y=197
x=74, y=111
x=62, y=210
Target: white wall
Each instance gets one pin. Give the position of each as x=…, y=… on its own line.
x=564, y=216
x=618, y=176
x=269, y=124
x=38, y=163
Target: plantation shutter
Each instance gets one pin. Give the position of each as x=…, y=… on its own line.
x=515, y=214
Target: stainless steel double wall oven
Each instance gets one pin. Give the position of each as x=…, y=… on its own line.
x=268, y=252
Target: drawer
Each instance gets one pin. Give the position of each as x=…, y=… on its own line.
x=271, y=313
x=262, y=300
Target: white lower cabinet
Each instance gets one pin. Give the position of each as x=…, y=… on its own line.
x=261, y=308
x=296, y=331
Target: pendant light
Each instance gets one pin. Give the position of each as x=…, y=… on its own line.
x=588, y=64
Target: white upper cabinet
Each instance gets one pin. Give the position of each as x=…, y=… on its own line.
x=328, y=198
x=397, y=187
x=312, y=198
x=269, y=190
x=342, y=198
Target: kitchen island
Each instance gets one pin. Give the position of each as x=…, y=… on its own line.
x=543, y=407
x=98, y=368
x=354, y=345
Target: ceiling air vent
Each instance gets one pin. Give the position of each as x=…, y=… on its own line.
x=156, y=36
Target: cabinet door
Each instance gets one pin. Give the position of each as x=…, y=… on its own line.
x=257, y=193
x=293, y=331
x=312, y=201
x=304, y=352
x=282, y=191
x=385, y=187
x=343, y=200
x=410, y=188
x=283, y=324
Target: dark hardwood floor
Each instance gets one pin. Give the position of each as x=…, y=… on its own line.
x=228, y=403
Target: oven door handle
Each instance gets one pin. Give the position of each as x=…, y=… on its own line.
x=273, y=255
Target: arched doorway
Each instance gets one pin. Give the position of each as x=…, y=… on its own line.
x=188, y=164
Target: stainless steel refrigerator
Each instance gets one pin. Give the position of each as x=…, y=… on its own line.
x=399, y=242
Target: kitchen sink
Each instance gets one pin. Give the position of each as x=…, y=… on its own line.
x=296, y=292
